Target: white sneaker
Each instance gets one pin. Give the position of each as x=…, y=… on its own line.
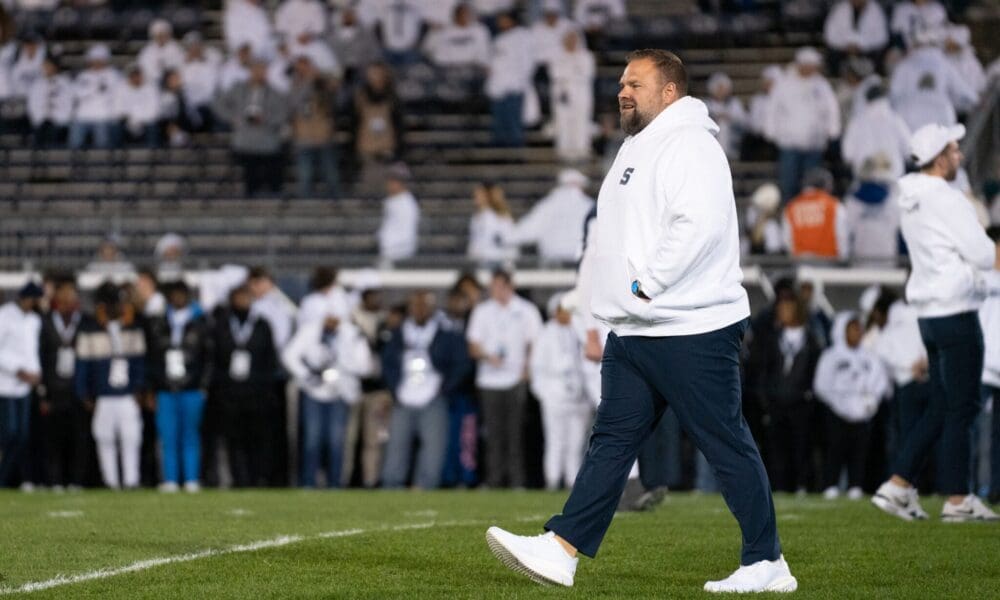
x=192, y=487
x=970, y=509
x=831, y=493
x=855, y=493
x=762, y=576
x=541, y=558
x=169, y=487
x=27, y=487
x=899, y=501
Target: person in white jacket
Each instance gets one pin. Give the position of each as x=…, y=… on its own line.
x=50, y=105
x=327, y=299
x=926, y=67
x=852, y=383
x=20, y=372
x=949, y=250
x=877, y=130
x=571, y=70
x=555, y=223
x=137, y=104
x=300, y=20
x=760, y=103
x=161, y=54
x=247, y=22
x=667, y=281
x=726, y=110
x=327, y=359
x=94, y=109
x=871, y=212
x=557, y=382
x=804, y=118
x=512, y=66
x=549, y=32
x=856, y=27
x=491, y=229
x=26, y=66
x=398, y=233
x=910, y=18
x=464, y=41
x=960, y=53
x=200, y=73
x=989, y=319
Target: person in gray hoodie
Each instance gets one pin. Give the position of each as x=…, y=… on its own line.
x=257, y=113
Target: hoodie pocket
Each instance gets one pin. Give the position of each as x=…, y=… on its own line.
x=611, y=293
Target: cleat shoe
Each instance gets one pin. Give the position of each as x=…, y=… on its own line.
x=898, y=501
x=762, y=576
x=541, y=558
x=969, y=509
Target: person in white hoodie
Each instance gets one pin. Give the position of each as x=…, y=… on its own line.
x=557, y=382
x=572, y=69
x=512, y=65
x=50, y=105
x=804, y=118
x=727, y=110
x=137, y=104
x=855, y=27
x=877, y=129
x=491, y=229
x=20, y=372
x=162, y=53
x=949, y=250
x=398, y=233
x=327, y=359
x=851, y=382
x=555, y=224
x=666, y=279
x=94, y=112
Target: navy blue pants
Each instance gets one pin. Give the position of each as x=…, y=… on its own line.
x=955, y=365
x=15, y=421
x=699, y=376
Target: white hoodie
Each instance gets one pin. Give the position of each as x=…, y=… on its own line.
x=557, y=367
x=666, y=216
x=948, y=247
x=899, y=345
x=851, y=381
x=328, y=367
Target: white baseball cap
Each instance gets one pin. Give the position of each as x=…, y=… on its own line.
x=931, y=139
x=808, y=56
x=98, y=53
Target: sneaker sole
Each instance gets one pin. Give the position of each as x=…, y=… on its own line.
x=965, y=519
x=888, y=506
x=783, y=585
x=510, y=561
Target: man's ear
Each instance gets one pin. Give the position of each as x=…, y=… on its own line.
x=669, y=93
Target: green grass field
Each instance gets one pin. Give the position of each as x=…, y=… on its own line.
x=356, y=544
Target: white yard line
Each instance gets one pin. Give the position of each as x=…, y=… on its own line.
x=283, y=540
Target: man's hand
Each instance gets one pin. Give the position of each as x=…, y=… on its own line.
x=44, y=408
x=638, y=293
x=919, y=370
x=996, y=259
x=31, y=379
x=592, y=349
x=494, y=361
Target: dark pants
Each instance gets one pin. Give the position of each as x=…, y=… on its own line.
x=847, y=446
x=660, y=456
x=792, y=165
x=508, y=130
x=321, y=158
x=699, y=375
x=788, y=434
x=955, y=361
x=65, y=429
x=995, y=442
x=503, y=425
x=262, y=173
x=48, y=135
x=277, y=427
x=244, y=426
x=910, y=404
x=460, y=458
x=15, y=420
x=324, y=427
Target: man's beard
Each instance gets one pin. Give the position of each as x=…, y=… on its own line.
x=634, y=122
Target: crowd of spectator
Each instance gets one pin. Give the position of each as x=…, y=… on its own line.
x=157, y=383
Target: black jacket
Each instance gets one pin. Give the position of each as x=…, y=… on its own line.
x=263, y=361
x=196, y=343
x=778, y=389
x=56, y=389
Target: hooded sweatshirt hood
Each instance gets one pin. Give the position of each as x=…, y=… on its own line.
x=912, y=186
x=838, y=333
x=686, y=112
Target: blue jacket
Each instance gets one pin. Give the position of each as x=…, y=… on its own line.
x=449, y=355
x=94, y=356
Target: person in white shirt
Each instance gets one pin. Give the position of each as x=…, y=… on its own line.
x=300, y=20
x=137, y=105
x=162, y=53
x=595, y=14
x=400, y=26
x=20, y=371
x=271, y=304
x=549, y=32
x=26, y=67
x=327, y=299
x=910, y=18
x=247, y=22
x=859, y=77
x=491, y=229
x=949, y=250
x=557, y=382
x=512, y=66
x=757, y=140
x=200, y=75
x=327, y=358
x=236, y=69
x=489, y=11
x=855, y=27
x=463, y=42
x=851, y=382
x=398, y=235
x=960, y=53
x=925, y=67
x=572, y=69
x=423, y=363
x=872, y=212
x=804, y=118
x=989, y=319
x=666, y=279
x=555, y=223
x=50, y=105
x=726, y=110
x=877, y=129
x=94, y=110
x=501, y=332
